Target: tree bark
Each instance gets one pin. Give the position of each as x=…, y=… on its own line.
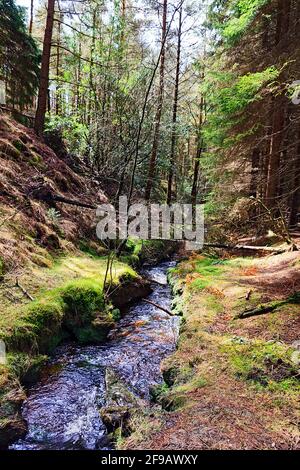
x=283, y=20
x=295, y=199
x=58, y=87
x=152, y=163
x=31, y=17
x=274, y=156
x=44, y=77
x=198, y=155
x=91, y=75
x=255, y=163
x=175, y=108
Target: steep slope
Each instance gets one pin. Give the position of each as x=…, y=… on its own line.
x=33, y=181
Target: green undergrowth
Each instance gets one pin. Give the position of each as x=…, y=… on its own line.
x=138, y=251
x=68, y=302
x=265, y=364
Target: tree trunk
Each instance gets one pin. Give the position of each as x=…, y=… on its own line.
x=152, y=163
x=295, y=199
x=283, y=20
x=274, y=156
x=255, y=163
x=91, y=78
x=31, y=17
x=198, y=155
x=175, y=108
x=44, y=78
x=58, y=93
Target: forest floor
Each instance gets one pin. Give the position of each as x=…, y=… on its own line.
x=232, y=383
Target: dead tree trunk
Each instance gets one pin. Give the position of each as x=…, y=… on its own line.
x=255, y=163
x=44, y=78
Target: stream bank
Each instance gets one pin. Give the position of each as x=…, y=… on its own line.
x=68, y=305
x=62, y=410
x=231, y=383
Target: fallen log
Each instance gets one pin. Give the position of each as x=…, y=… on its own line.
x=73, y=202
x=260, y=310
x=269, y=307
x=158, y=306
x=245, y=247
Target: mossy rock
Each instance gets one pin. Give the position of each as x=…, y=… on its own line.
x=95, y=333
x=170, y=374
x=173, y=402
x=82, y=299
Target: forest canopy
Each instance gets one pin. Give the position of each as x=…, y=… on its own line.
x=194, y=99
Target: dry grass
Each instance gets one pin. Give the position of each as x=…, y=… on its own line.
x=234, y=385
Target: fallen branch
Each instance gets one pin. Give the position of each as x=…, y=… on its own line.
x=246, y=247
x=268, y=308
x=158, y=306
x=157, y=282
x=260, y=310
x=23, y=290
x=56, y=198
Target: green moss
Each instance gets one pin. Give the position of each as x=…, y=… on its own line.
x=267, y=364
x=116, y=314
x=19, y=145
x=82, y=299
x=174, y=402
x=75, y=308
x=200, y=283
x=25, y=367
x=68, y=296
x=137, y=251
x=35, y=159
x=213, y=304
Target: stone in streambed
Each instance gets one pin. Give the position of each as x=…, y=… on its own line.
x=120, y=401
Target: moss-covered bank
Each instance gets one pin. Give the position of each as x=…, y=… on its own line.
x=68, y=303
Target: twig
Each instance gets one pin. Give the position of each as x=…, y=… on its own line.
x=158, y=306
x=157, y=282
x=23, y=290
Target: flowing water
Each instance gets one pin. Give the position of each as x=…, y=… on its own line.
x=62, y=410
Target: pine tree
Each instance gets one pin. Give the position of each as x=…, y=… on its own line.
x=19, y=56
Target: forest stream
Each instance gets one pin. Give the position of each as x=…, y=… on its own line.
x=63, y=411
